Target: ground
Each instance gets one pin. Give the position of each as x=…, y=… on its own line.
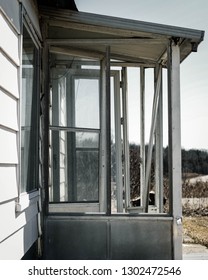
x=196, y=228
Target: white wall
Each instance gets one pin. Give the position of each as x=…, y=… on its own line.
x=19, y=230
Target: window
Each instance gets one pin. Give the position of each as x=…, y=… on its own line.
x=29, y=114
x=74, y=136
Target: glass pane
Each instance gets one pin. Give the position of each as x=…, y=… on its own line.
x=87, y=140
x=74, y=106
x=29, y=115
x=87, y=103
x=87, y=175
x=74, y=166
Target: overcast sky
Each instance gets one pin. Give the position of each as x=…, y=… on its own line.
x=194, y=70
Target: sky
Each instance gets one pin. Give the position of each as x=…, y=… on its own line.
x=194, y=70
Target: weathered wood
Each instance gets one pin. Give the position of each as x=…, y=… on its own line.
x=174, y=126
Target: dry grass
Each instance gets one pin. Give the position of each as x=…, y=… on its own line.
x=197, y=228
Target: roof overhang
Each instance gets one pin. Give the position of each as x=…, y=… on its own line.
x=130, y=41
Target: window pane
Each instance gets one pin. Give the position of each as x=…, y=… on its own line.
x=87, y=103
x=29, y=115
x=87, y=175
x=74, y=165
x=87, y=140
x=76, y=105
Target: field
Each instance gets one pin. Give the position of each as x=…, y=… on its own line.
x=196, y=227
x=195, y=221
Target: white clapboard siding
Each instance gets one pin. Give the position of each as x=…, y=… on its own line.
x=8, y=147
x=7, y=218
x=8, y=111
x=18, y=230
x=17, y=244
x=9, y=40
x=9, y=76
x=14, y=221
x=8, y=183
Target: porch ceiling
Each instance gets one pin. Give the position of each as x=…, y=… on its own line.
x=130, y=41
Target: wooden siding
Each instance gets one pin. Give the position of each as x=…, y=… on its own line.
x=19, y=230
x=11, y=9
x=9, y=75
x=8, y=183
x=8, y=147
x=8, y=111
x=9, y=40
x=14, y=221
x=14, y=247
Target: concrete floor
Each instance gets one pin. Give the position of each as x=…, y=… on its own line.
x=193, y=251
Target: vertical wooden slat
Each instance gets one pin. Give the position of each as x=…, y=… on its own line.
x=126, y=138
x=142, y=132
x=159, y=148
x=102, y=173
x=108, y=131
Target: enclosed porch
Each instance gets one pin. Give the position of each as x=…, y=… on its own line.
x=92, y=208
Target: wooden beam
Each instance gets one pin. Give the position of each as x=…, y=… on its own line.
x=76, y=52
x=116, y=41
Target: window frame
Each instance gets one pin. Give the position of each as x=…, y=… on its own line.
x=88, y=206
x=33, y=192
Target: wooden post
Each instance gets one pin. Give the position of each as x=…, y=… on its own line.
x=174, y=120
